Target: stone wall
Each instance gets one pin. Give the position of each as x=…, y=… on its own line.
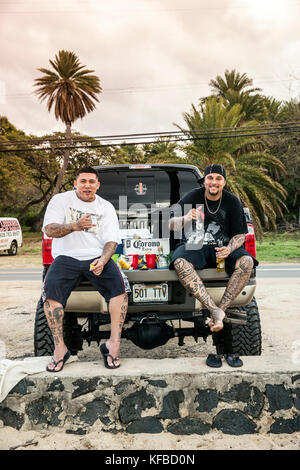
x=180, y=401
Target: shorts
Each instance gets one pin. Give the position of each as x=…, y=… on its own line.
x=66, y=273
x=206, y=257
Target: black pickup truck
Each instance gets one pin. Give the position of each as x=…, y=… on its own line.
x=167, y=310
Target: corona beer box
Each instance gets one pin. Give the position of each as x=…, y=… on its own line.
x=140, y=246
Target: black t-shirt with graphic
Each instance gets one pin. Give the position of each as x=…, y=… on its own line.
x=228, y=221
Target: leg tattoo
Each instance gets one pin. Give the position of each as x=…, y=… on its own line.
x=238, y=280
x=55, y=322
x=118, y=310
x=193, y=284
x=54, y=313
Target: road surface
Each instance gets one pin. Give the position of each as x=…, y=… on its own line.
x=263, y=271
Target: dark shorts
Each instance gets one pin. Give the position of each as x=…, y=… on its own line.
x=66, y=273
x=206, y=257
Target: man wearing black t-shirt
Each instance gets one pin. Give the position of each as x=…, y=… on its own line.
x=224, y=221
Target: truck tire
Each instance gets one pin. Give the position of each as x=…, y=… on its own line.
x=244, y=340
x=43, y=339
x=13, y=250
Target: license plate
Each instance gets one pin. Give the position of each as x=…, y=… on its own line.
x=150, y=293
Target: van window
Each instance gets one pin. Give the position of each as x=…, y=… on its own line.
x=9, y=225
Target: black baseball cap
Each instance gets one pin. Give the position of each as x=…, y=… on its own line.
x=214, y=168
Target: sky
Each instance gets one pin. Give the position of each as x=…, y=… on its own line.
x=154, y=58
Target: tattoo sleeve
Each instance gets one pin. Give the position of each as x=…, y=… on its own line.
x=193, y=284
x=59, y=230
x=237, y=281
x=236, y=242
x=108, y=251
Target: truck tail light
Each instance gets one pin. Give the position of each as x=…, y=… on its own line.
x=46, y=250
x=250, y=244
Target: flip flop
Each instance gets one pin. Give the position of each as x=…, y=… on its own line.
x=105, y=353
x=233, y=360
x=63, y=360
x=214, y=360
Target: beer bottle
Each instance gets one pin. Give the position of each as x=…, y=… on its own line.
x=220, y=261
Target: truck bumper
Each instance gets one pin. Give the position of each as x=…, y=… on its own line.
x=215, y=283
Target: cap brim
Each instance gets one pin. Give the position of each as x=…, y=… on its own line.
x=201, y=180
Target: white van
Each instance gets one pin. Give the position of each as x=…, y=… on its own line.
x=10, y=235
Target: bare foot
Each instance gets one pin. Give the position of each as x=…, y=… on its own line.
x=114, y=350
x=216, y=321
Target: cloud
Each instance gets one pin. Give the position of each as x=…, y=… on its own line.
x=154, y=58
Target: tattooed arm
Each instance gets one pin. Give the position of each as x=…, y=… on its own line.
x=236, y=242
x=108, y=251
x=61, y=230
x=99, y=263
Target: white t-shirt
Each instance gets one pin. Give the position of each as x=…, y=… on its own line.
x=65, y=208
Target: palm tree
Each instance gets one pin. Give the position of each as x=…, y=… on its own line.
x=72, y=90
x=161, y=151
x=234, y=89
x=233, y=81
x=249, y=168
x=274, y=109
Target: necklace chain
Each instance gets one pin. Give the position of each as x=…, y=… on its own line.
x=206, y=203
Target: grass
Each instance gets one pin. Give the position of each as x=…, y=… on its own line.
x=279, y=247
x=32, y=243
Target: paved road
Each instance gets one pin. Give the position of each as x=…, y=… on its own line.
x=278, y=270
x=263, y=271
x=20, y=274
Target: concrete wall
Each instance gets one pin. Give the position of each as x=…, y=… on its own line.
x=180, y=396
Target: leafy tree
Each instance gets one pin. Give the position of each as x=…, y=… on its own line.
x=164, y=150
x=72, y=90
x=287, y=148
x=161, y=151
x=37, y=169
x=13, y=169
x=249, y=167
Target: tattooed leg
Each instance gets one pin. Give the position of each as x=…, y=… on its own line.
x=118, y=310
x=237, y=281
x=193, y=284
x=54, y=313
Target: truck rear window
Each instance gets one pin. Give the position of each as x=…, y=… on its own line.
x=161, y=188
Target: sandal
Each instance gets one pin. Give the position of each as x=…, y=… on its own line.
x=233, y=360
x=105, y=353
x=214, y=360
x=63, y=360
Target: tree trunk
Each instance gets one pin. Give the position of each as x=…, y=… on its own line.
x=65, y=162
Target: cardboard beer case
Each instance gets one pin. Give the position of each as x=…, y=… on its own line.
x=141, y=246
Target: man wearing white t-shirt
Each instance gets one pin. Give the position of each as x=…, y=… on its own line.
x=85, y=233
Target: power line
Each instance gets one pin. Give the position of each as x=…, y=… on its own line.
x=170, y=134
x=145, y=89
x=172, y=139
